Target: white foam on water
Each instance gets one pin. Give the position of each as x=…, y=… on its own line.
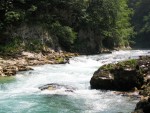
x=77, y=75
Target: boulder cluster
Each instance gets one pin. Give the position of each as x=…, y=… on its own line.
x=126, y=76
x=10, y=64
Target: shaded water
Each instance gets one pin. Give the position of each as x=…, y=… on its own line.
x=20, y=94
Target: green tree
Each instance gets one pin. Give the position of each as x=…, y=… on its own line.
x=86, y=24
x=123, y=29
x=109, y=20
x=141, y=22
x=66, y=35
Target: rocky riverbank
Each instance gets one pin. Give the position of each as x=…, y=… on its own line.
x=11, y=64
x=127, y=76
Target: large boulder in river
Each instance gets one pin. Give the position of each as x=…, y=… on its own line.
x=102, y=79
x=123, y=76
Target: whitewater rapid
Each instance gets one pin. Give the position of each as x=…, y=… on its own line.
x=21, y=94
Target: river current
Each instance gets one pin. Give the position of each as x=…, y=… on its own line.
x=20, y=94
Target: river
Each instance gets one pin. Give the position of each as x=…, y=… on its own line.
x=20, y=94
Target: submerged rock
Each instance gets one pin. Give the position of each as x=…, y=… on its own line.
x=55, y=86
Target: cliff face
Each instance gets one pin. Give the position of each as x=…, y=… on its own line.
x=89, y=41
x=33, y=37
x=36, y=38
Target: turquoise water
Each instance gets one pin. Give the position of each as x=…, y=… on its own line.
x=20, y=94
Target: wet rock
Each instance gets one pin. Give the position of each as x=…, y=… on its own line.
x=143, y=106
x=133, y=94
x=107, y=52
x=127, y=79
x=9, y=73
x=123, y=76
x=55, y=86
x=118, y=79
x=126, y=76
x=102, y=80
x=24, y=68
x=9, y=65
x=146, y=90
x=9, y=70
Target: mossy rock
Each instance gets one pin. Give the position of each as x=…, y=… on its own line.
x=59, y=59
x=132, y=63
x=122, y=76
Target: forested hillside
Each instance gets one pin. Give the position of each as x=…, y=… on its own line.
x=141, y=22
x=85, y=26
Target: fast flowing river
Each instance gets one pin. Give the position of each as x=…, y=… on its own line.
x=20, y=94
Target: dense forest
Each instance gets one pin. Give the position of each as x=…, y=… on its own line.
x=84, y=26
x=141, y=22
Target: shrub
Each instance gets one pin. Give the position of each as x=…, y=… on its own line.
x=66, y=35
x=12, y=16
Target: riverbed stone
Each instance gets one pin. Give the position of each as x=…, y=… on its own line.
x=143, y=106
x=55, y=86
x=11, y=64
